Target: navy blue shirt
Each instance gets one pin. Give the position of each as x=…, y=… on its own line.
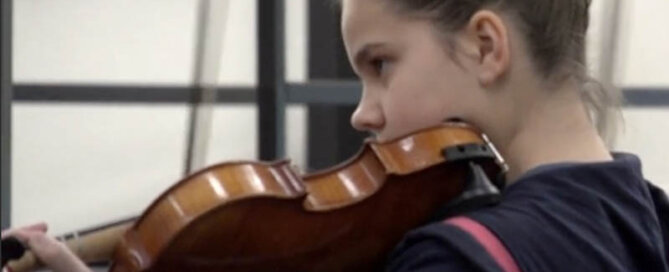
x=560, y=217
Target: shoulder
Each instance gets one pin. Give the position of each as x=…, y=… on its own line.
x=440, y=247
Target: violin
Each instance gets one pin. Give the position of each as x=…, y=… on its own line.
x=266, y=216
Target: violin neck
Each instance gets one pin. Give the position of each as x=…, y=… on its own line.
x=98, y=245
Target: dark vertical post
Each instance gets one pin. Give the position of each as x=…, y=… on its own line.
x=271, y=97
x=331, y=139
x=196, y=95
x=209, y=43
x=5, y=109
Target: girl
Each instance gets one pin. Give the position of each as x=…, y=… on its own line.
x=515, y=69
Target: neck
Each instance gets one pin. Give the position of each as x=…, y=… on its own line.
x=554, y=128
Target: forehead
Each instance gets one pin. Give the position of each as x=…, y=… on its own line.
x=357, y=11
x=367, y=19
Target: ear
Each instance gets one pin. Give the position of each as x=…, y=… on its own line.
x=489, y=41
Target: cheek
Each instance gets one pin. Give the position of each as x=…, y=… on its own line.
x=426, y=89
x=416, y=102
x=426, y=95
x=449, y=90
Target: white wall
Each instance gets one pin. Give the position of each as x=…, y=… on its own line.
x=642, y=62
x=98, y=162
x=121, y=41
x=644, y=44
x=76, y=165
x=138, y=42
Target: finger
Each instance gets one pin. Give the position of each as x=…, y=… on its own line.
x=6, y=233
x=40, y=227
x=34, y=240
x=55, y=254
x=46, y=248
x=23, y=236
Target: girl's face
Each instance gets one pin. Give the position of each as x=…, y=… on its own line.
x=411, y=77
x=414, y=76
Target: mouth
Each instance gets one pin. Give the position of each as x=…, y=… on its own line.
x=454, y=120
x=376, y=136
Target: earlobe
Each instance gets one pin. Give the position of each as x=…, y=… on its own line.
x=492, y=42
x=487, y=78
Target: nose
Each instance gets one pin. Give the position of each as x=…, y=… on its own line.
x=368, y=116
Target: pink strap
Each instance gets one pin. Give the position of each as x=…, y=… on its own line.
x=488, y=240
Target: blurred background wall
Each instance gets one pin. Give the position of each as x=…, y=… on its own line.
x=81, y=164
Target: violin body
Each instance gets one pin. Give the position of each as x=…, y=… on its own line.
x=251, y=216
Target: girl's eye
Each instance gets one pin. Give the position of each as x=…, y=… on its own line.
x=379, y=65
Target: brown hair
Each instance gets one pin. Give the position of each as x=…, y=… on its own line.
x=555, y=32
x=555, y=29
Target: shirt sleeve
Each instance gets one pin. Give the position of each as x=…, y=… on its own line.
x=428, y=255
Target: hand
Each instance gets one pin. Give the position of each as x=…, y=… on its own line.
x=52, y=253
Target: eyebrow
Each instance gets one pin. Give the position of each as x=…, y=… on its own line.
x=364, y=53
